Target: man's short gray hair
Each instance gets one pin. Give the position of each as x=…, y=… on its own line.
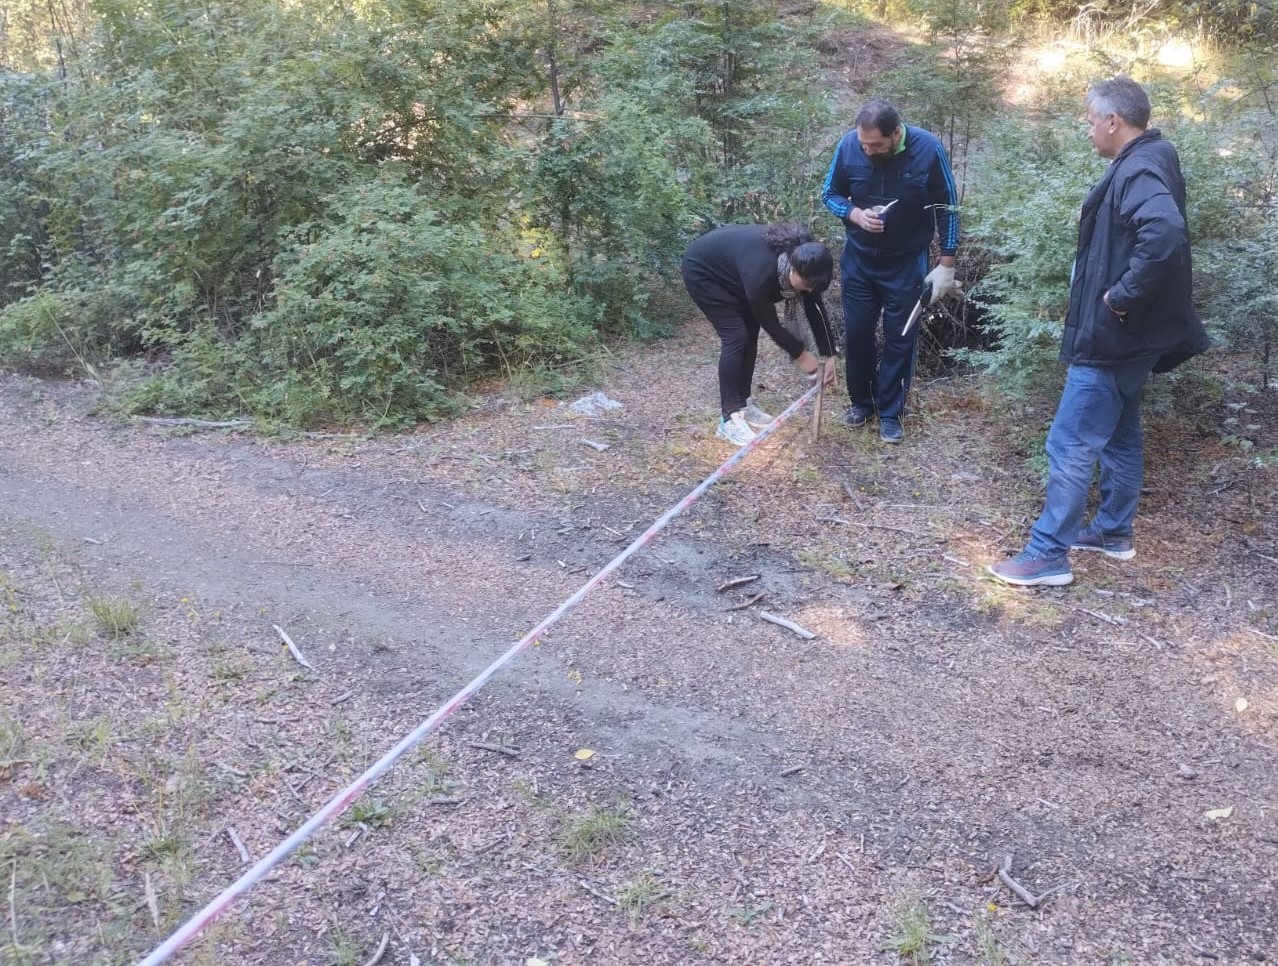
x=1121, y=96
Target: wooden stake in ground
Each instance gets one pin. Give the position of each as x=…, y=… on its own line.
x=820, y=399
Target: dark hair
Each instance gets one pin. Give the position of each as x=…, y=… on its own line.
x=881, y=115
x=815, y=265
x=1121, y=96
x=808, y=257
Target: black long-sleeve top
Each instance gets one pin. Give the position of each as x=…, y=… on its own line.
x=734, y=269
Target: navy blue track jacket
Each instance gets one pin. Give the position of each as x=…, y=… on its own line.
x=919, y=179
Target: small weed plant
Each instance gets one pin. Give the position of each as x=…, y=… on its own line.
x=748, y=913
x=593, y=833
x=637, y=897
x=374, y=813
x=913, y=939
x=116, y=617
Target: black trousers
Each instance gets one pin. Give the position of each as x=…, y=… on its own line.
x=738, y=349
x=738, y=337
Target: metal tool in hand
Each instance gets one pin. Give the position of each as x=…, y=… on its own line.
x=879, y=210
x=925, y=299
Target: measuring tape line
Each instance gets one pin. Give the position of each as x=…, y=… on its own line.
x=339, y=802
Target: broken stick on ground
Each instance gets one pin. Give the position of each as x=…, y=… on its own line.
x=1005, y=876
x=292, y=648
x=787, y=624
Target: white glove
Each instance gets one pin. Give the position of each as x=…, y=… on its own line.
x=942, y=281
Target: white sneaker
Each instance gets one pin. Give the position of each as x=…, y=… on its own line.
x=755, y=416
x=735, y=429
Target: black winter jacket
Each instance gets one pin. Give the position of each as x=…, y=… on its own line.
x=1133, y=243
x=732, y=270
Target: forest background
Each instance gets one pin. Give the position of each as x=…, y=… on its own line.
x=376, y=214
x=352, y=213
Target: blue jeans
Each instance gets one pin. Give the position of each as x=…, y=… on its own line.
x=1098, y=420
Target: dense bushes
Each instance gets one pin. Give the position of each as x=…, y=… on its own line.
x=316, y=215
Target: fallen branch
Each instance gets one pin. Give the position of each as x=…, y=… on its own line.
x=510, y=750
x=229, y=770
x=845, y=860
x=235, y=840
x=1268, y=637
x=870, y=526
x=597, y=447
x=381, y=950
x=445, y=800
x=152, y=900
x=1116, y=621
x=343, y=697
x=598, y=895
x=1005, y=876
x=788, y=625
x=735, y=582
x=792, y=770
x=292, y=648
x=746, y=603
x=195, y=423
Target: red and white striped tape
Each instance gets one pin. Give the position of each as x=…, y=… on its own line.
x=338, y=803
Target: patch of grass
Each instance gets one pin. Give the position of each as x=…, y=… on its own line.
x=637, y=897
x=306, y=856
x=805, y=474
x=57, y=870
x=601, y=828
x=431, y=860
x=531, y=793
x=832, y=564
x=138, y=651
x=94, y=738
x=8, y=595
x=77, y=634
x=347, y=950
x=12, y=738
x=372, y=812
x=914, y=938
x=748, y=913
x=990, y=951
x=116, y=617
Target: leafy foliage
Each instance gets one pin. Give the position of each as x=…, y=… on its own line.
x=330, y=213
x=324, y=214
x=1025, y=216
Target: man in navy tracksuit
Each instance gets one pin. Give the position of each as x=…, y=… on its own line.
x=885, y=162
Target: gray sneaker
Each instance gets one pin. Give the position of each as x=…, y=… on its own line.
x=1026, y=570
x=1120, y=548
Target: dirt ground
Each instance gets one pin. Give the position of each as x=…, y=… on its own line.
x=752, y=796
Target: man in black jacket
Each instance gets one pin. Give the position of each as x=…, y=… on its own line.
x=1130, y=313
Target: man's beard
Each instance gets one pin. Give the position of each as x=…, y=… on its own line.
x=880, y=160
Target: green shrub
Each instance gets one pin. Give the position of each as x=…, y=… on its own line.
x=384, y=309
